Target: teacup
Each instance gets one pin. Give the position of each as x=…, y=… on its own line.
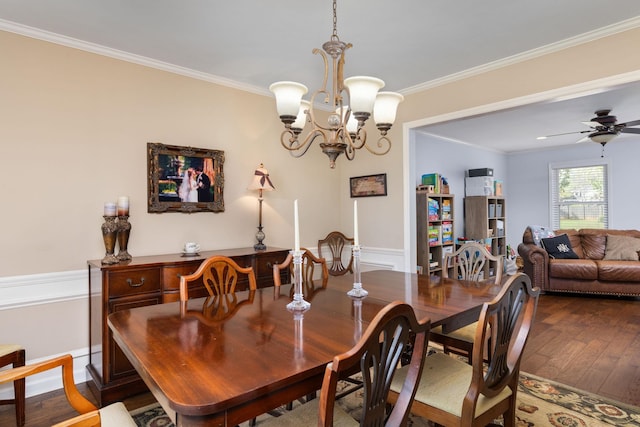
x=191, y=247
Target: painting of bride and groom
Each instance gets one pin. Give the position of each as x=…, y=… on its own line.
x=191, y=178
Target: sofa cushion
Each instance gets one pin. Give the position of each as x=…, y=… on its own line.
x=578, y=269
x=618, y=271
x=593, y=245
x=559, y=247
x=623, y=248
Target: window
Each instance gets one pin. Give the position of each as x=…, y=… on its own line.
x=579, y=195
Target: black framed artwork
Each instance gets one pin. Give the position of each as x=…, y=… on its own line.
x=369, y=185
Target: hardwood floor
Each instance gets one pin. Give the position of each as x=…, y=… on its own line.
x=589, y=343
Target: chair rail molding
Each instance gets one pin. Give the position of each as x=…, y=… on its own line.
x=45, y=288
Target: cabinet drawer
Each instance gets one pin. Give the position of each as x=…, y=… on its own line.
x=132, y=282
x=171, y=275
x=265, y=263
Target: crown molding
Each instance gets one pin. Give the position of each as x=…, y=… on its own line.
x=48, y=36
x=610, y=30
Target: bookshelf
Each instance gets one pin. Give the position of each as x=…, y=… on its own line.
x=435, y=230
x=484, y=221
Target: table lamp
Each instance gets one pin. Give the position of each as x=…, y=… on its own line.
x=260, y=182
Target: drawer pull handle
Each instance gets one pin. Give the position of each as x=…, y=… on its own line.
x=135, y=285
x=269, y=266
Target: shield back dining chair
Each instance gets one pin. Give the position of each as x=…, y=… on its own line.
x=376, y=356
x=219, y=274
x=454, y=393
x=469, y=262
x=114, y=415
x=14, y=355
x=336, y=244
x=310, y=264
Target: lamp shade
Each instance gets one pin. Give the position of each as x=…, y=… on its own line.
x=352, y=123
x=261, y=180
x=384, y=110
x=288, y=97
x=301, y=119
x=362, y=92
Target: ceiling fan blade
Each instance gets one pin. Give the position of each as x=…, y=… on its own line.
x=566, y=133
x=630, y=130
x=632, y=123
x=585, y=139
x=592, y=124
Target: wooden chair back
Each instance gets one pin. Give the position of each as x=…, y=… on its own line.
x=469, y=262
x=14, y=355
x=377, y=355
x=335, y=243
x=219, y=275
x=505, y=322
x=309, y=264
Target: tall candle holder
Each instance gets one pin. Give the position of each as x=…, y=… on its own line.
x=298, y=304
x=357, y=318
x=109, y=233
x=124, y=230
x=357, y=291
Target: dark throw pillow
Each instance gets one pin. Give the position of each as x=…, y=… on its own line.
x=559, y=247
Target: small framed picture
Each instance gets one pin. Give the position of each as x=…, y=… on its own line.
x=369, y=185
x=184, y=179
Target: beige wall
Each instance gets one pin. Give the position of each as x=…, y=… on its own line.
x=74, y=132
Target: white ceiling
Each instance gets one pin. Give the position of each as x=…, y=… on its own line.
x=407, y=43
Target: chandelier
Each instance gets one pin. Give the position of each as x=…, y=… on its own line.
x=344, y=131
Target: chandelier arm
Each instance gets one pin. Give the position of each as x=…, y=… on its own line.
x=359, y=141
x=298, y=147
x=349, y=152
x=326, y=74
x=384, y=143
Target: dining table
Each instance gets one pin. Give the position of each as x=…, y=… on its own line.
x=223, y=360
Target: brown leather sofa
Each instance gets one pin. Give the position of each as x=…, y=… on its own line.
x=591, y=273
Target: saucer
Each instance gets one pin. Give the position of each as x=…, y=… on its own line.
x=184, y=253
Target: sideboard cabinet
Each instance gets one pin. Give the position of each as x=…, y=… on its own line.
x=149, y=280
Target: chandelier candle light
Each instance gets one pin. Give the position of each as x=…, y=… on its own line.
x=357, y=291
x=344, y=131
x=298, y=304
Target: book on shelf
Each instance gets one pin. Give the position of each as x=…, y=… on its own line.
x=434, y=235
x=433, y=209
x=447, y=233
x=446, y=209
x=433, y=265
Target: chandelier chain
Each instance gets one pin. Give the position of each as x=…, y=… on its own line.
x=335, y=20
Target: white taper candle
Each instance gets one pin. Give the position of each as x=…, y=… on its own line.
x=296, y=227
x=356, y=240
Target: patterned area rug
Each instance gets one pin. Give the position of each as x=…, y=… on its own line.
x=540, y=403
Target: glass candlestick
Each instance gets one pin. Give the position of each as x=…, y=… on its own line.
x=124, y=229
x=109, y=233
x=298, y=303
x=357, y=318
x=357, y=291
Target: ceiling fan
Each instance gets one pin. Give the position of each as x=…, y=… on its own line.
x=604, y=128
